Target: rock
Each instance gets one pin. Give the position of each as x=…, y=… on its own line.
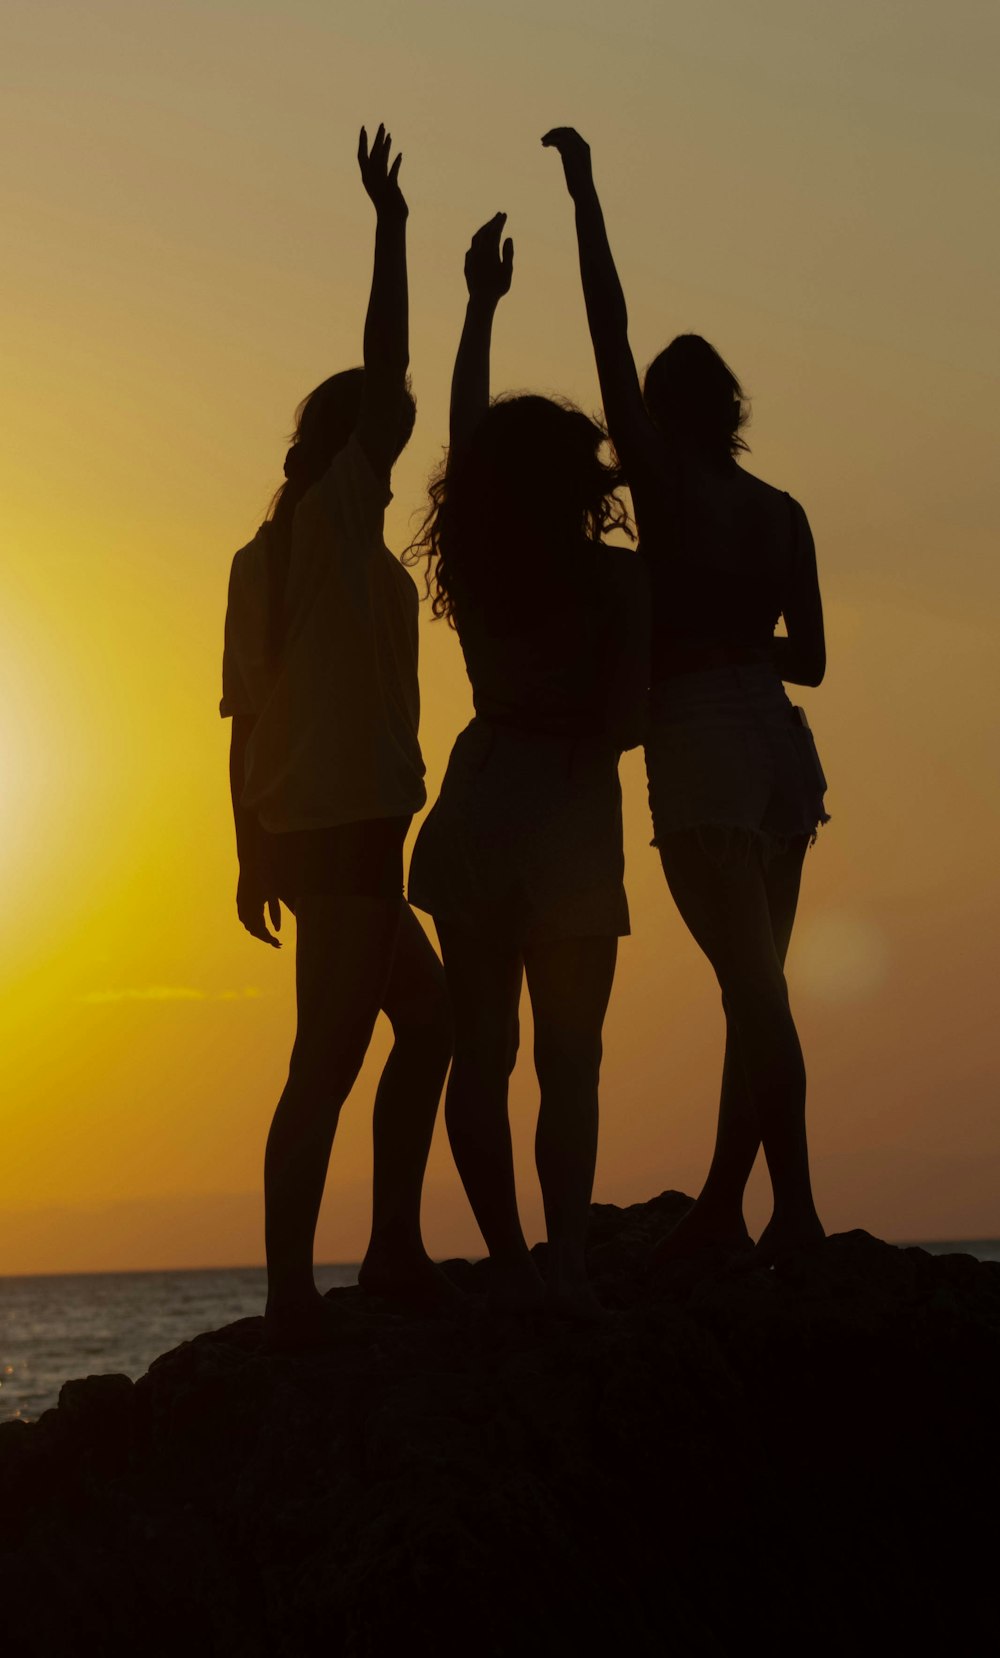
x=786, y=1457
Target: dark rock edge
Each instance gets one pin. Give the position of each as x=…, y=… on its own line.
x=803, y=1458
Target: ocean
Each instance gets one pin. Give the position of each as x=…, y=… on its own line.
x=84, y=1324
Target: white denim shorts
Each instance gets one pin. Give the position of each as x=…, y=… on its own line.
x=726, y=748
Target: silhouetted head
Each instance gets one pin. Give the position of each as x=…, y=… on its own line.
x=696, y=399
x=324, y=422
x=526, y=490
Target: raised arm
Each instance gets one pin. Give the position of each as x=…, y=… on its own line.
x=801, y=658
x=387, y=340
x=488, y=272
x=632, y=432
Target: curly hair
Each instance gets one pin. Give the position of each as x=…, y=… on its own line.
x=530, y=481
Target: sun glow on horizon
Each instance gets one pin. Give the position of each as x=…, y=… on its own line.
x=192, y=255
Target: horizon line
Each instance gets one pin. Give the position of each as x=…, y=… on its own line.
x=261, y=1266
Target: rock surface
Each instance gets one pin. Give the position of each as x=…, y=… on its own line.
x=796, y=1459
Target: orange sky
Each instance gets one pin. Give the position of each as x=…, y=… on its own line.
x=188, y=252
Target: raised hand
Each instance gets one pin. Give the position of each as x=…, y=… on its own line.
x=488, y=270
x=574, y=152
x=380, y=179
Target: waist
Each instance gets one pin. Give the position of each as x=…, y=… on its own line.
x=541, y=722
x=730, y=693
x=681, y=658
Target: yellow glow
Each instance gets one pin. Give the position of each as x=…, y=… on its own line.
x=191, y=253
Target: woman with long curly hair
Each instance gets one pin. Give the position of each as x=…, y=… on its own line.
x=520, y=861
x=735, y=785
x=320, y=677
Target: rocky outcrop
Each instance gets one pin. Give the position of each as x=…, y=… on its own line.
x=796, y=1458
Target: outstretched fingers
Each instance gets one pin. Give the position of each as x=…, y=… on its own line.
x=380, y=177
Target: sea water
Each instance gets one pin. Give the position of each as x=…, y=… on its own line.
x=85, y=1324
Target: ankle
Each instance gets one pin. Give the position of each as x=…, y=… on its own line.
x=290, y=1296
x=722, y=1197
x=566, y=1262
x=396, y=1243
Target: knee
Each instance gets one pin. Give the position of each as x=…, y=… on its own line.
x=567, y=1057
x=482, y=1053
x=427, y=1026
x=314, y=1093
x=756, y=1001
x=751, y=987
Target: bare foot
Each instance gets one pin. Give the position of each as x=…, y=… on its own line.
x=410, y=1281
x=311, y=1325
x=703, y=1228
x=788, y=1237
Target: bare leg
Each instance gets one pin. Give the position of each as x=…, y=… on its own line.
x=717, y=1217
x=344, y=952
x=741, y=912
x=416, y=1002
x=569, y=982
x=484, y=984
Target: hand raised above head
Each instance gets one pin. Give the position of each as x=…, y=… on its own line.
x=488, y=270
x=574, y=152
x=380, y=179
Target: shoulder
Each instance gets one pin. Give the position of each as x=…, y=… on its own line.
x=777, y=514
x=249, y=564
x=351, y=474
x=768, y=496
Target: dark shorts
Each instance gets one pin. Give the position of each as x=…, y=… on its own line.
x=525, y=839
x=353, y=860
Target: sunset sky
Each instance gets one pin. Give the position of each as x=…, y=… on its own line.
x=187, y=252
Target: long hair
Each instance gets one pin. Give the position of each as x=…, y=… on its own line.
x=324, y=422
x=694, y=395
x=504, y=514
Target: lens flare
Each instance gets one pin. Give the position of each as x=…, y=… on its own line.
x=839, y=957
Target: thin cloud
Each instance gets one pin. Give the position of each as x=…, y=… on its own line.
x=171, y=993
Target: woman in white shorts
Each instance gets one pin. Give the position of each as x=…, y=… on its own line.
x=735, y=784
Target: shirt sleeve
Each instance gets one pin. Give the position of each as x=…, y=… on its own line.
x=235, y=694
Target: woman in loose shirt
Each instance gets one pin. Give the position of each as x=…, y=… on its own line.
x=320, y=678
x=735, y=785
x=520, y=860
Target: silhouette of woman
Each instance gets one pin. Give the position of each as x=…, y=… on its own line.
x=320, y=677
x=520, y=861
x=735, y=785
